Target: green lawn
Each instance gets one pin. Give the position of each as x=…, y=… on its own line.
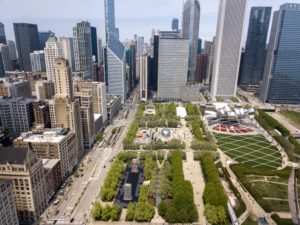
x=253, y=151
x=292, y=116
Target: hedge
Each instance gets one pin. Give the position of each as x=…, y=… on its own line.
x=281, y=221
x=106, y=213
x=203, y=145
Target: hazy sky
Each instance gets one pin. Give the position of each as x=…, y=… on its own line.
x=132, y=16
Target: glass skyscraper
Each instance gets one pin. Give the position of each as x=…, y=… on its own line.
x=255, y=52
x=2, y=34
x=281, y=82
x=43, y=38
x=27, y=40
x=175, y=24
x=190, y=31
x=110, y=24
x=94, y=42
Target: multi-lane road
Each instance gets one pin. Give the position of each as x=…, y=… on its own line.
x=77, y=201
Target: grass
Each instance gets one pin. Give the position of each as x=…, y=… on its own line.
x=292, y=116
x=253, y=151
x=249, y=221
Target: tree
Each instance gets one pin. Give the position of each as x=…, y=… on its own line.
x=105, y=214
x=130, y=212
x=115, y=213
x=215, y=215
x=163, y=208
x=96, y=212
x=144, y=212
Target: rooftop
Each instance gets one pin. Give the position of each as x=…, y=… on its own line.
x=55, y=135
x=13, y=155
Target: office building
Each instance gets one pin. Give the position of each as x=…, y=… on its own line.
x=13, y=88
x=255, y=53
x=199, y=51
x=209, y=50
x=38, y=63
x=67, y=50
x=2, y=34
x=100, y=51
x=115, y=67
x=172, y=65
x=43, y=38
x=131, y=62
x=54, y=143
x=12, y=50
x=83, y=49
x=64, y=109
x=44, y=89
x=87, y=117
x=144, y=62
x=139, y=47
x=27, y=40
x=6, y=59
x=110, y=24
x=8, y=211
x=98, y=96
x=201, y=69
x=21, y=167
x=175, y=24
x=2, y=71
x=52, y=52
x=114, y=103
x=227, y=59
x=154, y=64
x=53, y=176
x=41, y=114
x=281, y=81
x=190, y=31
x=94, y=43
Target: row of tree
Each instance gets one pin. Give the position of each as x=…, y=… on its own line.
x=214, y=197
x=203, y=145
x=112, y=180
x=158, y=145
x=181, y=209
x=143, y=211
x=106, y=212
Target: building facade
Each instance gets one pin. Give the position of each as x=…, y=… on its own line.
x=190, y=31
x=110, y=24
x=21, y=167
x=15, y=88
x=6, y=59
x=43, y=38
x=27, y=40
x=2, y=34
x=67, y=50
x=41, y=114
x=255, y=52
x=12, y=50
x=38, y=63
x=52, y=52
x=44, y=89
x=175, y=24
x=281, y=81
x=83, y=49
x=94, y=43
x=143, y=68
x=227, y=59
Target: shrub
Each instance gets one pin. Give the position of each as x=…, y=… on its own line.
x=215, y=215
x=144, y=212
x=280, y=221
x=96, y=211
x=203, y=145
x=115, y=213
x=130, y=212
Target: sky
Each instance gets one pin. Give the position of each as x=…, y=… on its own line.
x=132, y=16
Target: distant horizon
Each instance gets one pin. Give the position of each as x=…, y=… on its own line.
x=157, y=15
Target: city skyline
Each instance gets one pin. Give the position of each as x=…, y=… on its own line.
x=132, y=17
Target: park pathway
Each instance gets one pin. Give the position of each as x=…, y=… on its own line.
x=292, y=193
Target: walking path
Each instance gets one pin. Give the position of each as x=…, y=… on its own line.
x=292, y=195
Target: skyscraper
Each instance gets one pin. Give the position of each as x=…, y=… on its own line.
x=190, y=31
x=115, y=67
x=94, y=43
x=67, y=50
x=52, y=52
x=110, y=24
x=281, y=81
x=172, y=65
x=255, y=52
x=139, y=47
x=83, y=49
x=228, y=47
x=2, y=34
x=2, y=71
x=175, y=24
x=143, y=67
x=6, y=59
x=38, y=63
x=12, y=50
x=100, y=50
x=43, y=38
x=27, y=40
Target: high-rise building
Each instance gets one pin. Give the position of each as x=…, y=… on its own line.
x=255, y=52
x=98, y=94
x=21, y=167
x=67, y=50
x=190, y=31
x=6, y=59
x=154, y=64
x=228, y=46
x=64, y=109
x=209, y=50
x=173, y=60
x=38, y=63
x=10, y=88
x=56, y=143
x=199, y=51
x=87, y=117
x=131, y=62
x=201, y=69
x=175, y=24
x=281, y=81
x=8, y=212
x=115, y=67
x=110, y=24
x=94, y=43
x=52, y=52
x=83, y=49
x=27, y=40
x=41, y=114
x=2, y=71
x=43, y=38
x=12, y=50
x=44, y=89
x=2, y=34
x=139, y=47
x=144, y=62
x=100, y=51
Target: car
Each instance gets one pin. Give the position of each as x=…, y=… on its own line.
x=54, y=222
x=81, y=175
x=72, y=220
x=104, y=167
x=56, y=202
